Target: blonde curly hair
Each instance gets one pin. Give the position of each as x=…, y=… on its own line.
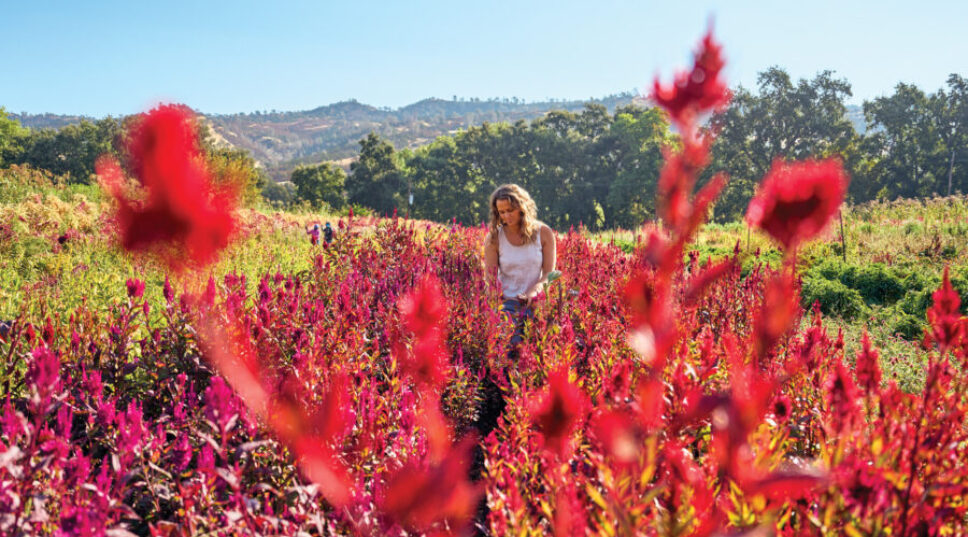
x=520, y=199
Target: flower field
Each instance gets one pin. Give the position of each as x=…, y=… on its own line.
x=233, y=380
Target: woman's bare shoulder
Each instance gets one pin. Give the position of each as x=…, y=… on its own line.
x=546, y=231
x=491, y=237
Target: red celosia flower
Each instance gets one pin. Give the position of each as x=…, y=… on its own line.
x=782, y=406
x=776, y=315
x=43, y=375
x=677, y=179
x=796, y=200
x=782, y=486
x=700, y=90
x=947, y=328
x=227, y=346
x=558, y=411
x=424, y=312
x=183, y=218
x=651, y=403
x=619, y=434
x=418, y=497
x=653, y=329
x=841, y=397
x=705, y=279
x=681, y=471
x=867, y=366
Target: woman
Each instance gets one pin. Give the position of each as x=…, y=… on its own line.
x=520, y=248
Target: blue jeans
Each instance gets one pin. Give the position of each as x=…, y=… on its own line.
x=518, y=312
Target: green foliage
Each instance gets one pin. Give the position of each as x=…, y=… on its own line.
x=783, y=120
x=72, y=150
x=905, y=325
x=376, y=181
x=279, y=195
x=834, y=297
x=237, y=170
x=320, y=184
x=589, y=168
x=11, y=133
x=875, y=282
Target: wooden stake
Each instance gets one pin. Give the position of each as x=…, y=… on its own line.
x=843, y=243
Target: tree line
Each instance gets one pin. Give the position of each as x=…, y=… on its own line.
x=601, y=169
x=591, y=166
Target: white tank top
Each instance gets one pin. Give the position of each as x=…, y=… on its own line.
x=519, y=266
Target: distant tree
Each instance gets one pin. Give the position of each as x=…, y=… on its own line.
x=637, y=137
x=281, y=194
x=11, y=138
x=375, y=179
x=950, y=112
x=72, y=150
x=322, y=183
x=235, y=169
x=903, y=144
x=783, y=120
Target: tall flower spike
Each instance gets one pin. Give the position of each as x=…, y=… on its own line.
x=183, y=219
x=558, y=411
x=797, y=200
x=867, y=367
x=947, y=328
x=698, y=91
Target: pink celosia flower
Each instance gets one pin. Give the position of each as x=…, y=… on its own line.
x=43, y=374
x=136, y=288
x=796, y=200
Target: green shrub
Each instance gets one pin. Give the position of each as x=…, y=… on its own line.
x=829, y=270
x=908, y=327
x=627, y=246
x=916, y=302
x=911, y=228
x=875, y=283
x=835, y=298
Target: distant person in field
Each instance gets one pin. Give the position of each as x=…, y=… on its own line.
x=313, y=233
x=521, y=249
x=328, y=233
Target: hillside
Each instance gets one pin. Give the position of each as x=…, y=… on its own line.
x=280, y=140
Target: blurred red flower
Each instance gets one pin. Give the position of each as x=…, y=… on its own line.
x=424, y=312
x=417, y=497
x=183, y=218
x=796, y=200
x=700, y=90
x=557, y=412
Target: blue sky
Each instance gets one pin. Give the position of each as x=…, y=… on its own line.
x=121, y=57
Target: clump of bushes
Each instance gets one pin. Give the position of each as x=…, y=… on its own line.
x=876, y=283
x=906, y=296
x=834, y=297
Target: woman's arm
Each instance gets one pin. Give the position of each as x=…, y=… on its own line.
x=490, y=254
x=549, y=258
